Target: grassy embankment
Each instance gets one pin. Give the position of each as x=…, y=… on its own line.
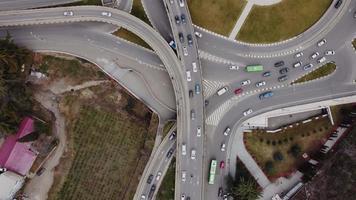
x=267, y=24
x=280, y=153
x=217, y=16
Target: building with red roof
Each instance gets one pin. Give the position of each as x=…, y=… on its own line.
x=19, y=156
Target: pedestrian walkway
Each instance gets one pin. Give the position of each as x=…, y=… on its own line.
x=245, y=13
x=239, y=149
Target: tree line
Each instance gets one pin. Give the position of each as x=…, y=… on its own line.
x=16, y=99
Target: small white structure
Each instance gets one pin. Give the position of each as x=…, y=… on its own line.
x=10, y=183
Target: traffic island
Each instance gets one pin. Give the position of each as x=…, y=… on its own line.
x=320, y=72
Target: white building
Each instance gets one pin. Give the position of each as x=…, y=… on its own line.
x=10, y=183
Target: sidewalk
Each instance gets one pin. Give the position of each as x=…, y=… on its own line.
x=246, y=12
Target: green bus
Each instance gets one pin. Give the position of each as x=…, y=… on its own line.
x=254, y=68
x=212, y=172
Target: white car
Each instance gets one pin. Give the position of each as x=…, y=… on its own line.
x=260, y=84
x=68, y=13
x=246, y=82
x=227, y=131
x=321, y=42
x=199, y=35
x=297, y=64
x=234, y=67
x=199, y=131
x=182, y=197
x=107, y=14
x=159, y=174
x=143, y=197
x=321, y=60
x=329, y=52
x=171, y=1
x=181, y=3
x=223, y=147
x=314, y=55
x=195, y=68
x=184, y=149
x=299, y=54
x=185, y=51
x=193, y=154
x=184, y=176
x=222, y=91
x=247, y=112
x=189, y=77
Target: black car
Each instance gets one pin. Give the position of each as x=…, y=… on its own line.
x=181, y=37
x=177, y=19
x=284, y=70
x=338, y=4
x=190, y=40
x=283, y=78
x=169, y=153
x=182, y=17
x=206, y=102
x=279, y=64
x=191, y=94
x=266, y=74
x=150, y=178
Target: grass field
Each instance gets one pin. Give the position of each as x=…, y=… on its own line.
x=267, y=24
x=263, y=146
x=218, y=16
x=166, y=191
x=110, y=136
x=139, y=12
x=72, y=69
x=318, y=73
x=129, y=36
x=106, y=156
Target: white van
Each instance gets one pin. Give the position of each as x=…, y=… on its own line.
x=222, y=91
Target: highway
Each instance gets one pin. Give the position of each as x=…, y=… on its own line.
x=339, y=84
x=26, y=4
x=119, y=18
x=190, y=146
x=113, y=55
x=157, y=166
x=216, y=54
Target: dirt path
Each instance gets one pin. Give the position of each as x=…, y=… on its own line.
x=38, y=187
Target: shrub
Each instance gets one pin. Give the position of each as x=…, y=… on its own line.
x=278, y=156
x=295, y=150
x=269, y=167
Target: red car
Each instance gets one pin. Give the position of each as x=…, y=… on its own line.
x=238, y=91
x=222, y=164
